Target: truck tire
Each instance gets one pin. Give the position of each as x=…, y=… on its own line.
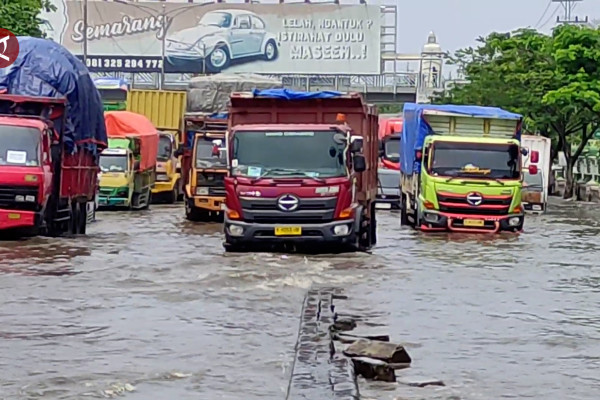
x=403, y=212
x=83, y=217
x=171, y=197
x=192, y=213
x=373, y=224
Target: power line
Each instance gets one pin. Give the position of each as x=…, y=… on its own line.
x=537, y=24
x=568, y=7
x=549, y=18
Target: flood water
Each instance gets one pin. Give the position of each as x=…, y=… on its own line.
x=148, y=306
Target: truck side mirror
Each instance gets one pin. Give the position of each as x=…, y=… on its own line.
x=356, y=143
x=359, y=163
x=381, y=149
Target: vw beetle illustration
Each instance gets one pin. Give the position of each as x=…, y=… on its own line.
x=219, y=38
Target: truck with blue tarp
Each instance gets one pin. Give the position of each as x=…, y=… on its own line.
x=461, y=168
x=302, y=171
x=204, y=165
x=51, y=133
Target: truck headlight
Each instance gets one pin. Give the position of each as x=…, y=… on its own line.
x=236, y=230
x=30, y=198
x=162, y=178
x=341, y=230
x=514, y=221
x=202, y=191
x=19, y=198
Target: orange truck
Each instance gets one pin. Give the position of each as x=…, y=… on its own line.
x=390, y=131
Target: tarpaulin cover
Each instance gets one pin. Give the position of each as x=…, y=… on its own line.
x=121, y=124
x=45, y=68
x=287, y=94
x=416, y=128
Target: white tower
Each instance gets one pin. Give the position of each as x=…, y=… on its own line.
x=431, y=64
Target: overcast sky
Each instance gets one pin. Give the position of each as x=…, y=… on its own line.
x=457, y=23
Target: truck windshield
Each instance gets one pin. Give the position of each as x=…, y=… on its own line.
x=111, y=163
x=533, y=181
x=476, y=160
x=275, y=154
x=164, y=148
x=19, y=146
x=389, y=180
x=208, y=155
x=392, y=149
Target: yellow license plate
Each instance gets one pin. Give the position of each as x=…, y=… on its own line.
x=14, y=216
x=473, y=222
x=288, y=231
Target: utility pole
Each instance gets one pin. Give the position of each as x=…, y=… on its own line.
x=568, y=7
x=85, y=29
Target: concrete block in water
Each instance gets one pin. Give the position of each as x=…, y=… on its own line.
x=388, y=352
x=348, y=338
x=373, y=369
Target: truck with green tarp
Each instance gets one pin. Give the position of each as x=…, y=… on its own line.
x=461, y=168
x=128, y=165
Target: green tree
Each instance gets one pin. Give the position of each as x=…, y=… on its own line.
x=21, y=17
x=553, y=81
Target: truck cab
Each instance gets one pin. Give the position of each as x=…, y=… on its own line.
x=204, y=167
x=26, y=171
x=116, y=176
x=168, y=176
x=299, y=178
x=390, y=130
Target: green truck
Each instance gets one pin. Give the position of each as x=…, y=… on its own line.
x=128, y=165
x=461, y=169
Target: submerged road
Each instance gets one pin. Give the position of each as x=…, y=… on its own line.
x=148, y=306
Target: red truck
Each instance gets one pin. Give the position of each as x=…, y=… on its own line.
x=50, y=135
x=302, y=170
x=390, y=131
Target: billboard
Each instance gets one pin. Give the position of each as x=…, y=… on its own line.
x=215, y=37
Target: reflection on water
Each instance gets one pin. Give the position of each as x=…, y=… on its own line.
x=148, y=306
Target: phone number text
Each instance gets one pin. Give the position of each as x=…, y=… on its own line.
x=125, y=64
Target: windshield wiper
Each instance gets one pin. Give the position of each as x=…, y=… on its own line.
x=287, y=172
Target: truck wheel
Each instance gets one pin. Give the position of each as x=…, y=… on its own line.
x=74, y=221
x=403, y=214
x=171, y=197
x=192, y=213
x=373, y=224
x=83, y=217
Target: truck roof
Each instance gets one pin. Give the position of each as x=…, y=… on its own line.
x=286, y=127
x=28, y=122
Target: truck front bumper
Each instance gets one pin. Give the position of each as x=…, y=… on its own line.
x=161, y=187
x=14, y=219
x=535, y=208
x=439, y=221
x=210, y=203
x=108, y=201
x=253, y=233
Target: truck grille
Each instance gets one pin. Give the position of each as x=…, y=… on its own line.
x=9, y=193
x=490, y=205
x=216, y=191
x=210, y=179
x=310, y=210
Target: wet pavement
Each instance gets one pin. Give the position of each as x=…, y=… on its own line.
x=148, y=306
